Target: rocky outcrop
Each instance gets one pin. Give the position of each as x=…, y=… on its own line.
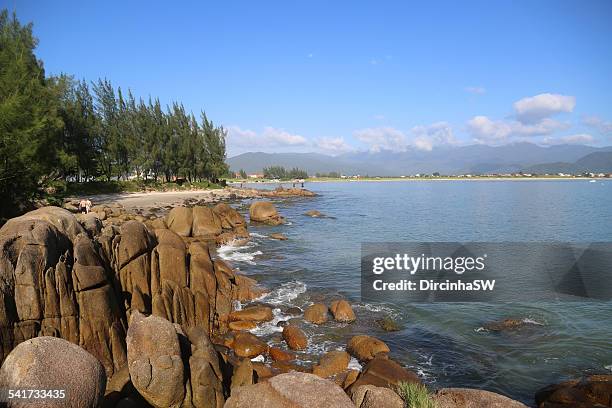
x=278, y=236
x=591, y=391
x=316, y=313
x=471, y=398
x=221, y=223
x=54, y=281
x=365, y=348
x=342, y=311
x=370, y=396
x=265, y=212
x=57, y=279
x=50, y=363
x=295, y=390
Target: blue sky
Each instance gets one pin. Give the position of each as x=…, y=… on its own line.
x=336, y=76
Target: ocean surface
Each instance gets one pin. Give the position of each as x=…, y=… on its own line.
x=444, y=343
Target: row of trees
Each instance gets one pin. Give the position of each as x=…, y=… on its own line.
x=114, y=136
x=279, y=172
x=59, y=128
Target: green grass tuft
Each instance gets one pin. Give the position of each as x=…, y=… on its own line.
x=415, y=395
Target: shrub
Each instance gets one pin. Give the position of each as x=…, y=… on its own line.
x=415, y=395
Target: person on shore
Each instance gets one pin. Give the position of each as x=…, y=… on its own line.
x=85, y=206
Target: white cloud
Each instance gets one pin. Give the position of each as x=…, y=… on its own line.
x=477, y=90
x=599, y=124
x=581, y=138
x=426, y=137
x=379, y=117
x=382, y=138
x=283, y=138
x=333, y=145
x=241, y=137
x=270, y=137
x=535, y=108
x=484, y=129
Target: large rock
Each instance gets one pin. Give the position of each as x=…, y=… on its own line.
x=50, y=363
x=370, y=396
x=180, y=220
x=365, y=348
x=591, y=391
x=383, y=372
x=316, y=313
x=342, y=311
x=248, y=345
x=290, y=390
x=206, y=222
x=264, y=212
x=295, y=337
x=472, y=398
x=55, y=282
x=154, y=359
x=258, y=313
x=332, y=363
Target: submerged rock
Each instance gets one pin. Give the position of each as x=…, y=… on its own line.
x=314, y=214
x=316, y=313
x=472, y=398
x=50, y=363
x=506, y=324
x=388, y=324
x=591, y=391
x=296, y=390
x=278, y=236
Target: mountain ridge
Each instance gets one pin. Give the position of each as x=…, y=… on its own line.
x=475, y=159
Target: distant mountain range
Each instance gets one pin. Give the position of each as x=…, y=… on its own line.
x=473, y=159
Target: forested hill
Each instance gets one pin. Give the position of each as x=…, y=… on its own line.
x=55, y=128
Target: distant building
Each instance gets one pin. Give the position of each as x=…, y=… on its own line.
x=255, y=175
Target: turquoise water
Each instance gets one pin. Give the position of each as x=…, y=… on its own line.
x=443, y=343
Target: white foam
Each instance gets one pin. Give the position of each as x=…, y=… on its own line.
x=354, y=364
x=259, y=358
x=234, y=252
x=256, y=235
x=608, y=367
x=532, y=321
x=378, y=309
x=285, y=293
x=270, y=327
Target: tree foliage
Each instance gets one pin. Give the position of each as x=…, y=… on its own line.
x=279, y=172
x=60, y=128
